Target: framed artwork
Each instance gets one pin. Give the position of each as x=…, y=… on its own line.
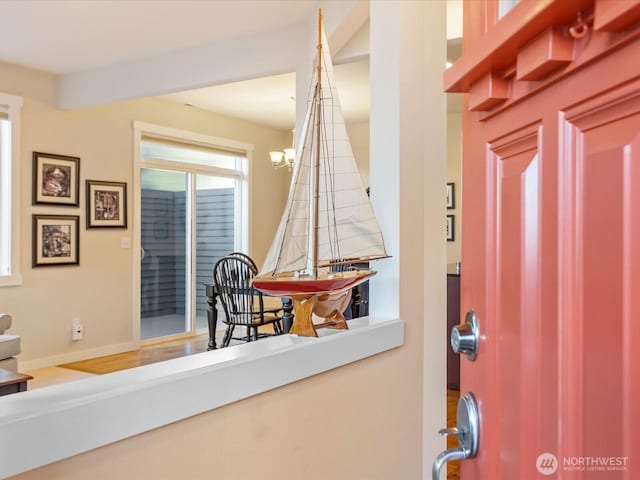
x=451, y=196
x=56, y=179
x=106, y=204
x=451, y=222
x=56, y=240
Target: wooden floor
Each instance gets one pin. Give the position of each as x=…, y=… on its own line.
x=453, y=468
x=156, y=352
x=148, y=354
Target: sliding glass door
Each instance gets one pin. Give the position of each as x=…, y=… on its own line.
x=215, y=231
x=193, y=211
x=165, y=266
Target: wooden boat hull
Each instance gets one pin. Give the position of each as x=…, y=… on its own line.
x=306, y=287
x=326, y=297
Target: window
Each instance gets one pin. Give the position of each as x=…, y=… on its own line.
x=10, y=107
x=504, y=6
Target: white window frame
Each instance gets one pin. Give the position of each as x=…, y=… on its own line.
x=10, y=273
x=242, y=201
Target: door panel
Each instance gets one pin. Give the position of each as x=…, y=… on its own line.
x=512, y=192
x=551, y=246
x=605, y=133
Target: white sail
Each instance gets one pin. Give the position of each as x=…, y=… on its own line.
x=346, y=226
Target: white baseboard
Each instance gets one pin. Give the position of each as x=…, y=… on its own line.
x=26, y=365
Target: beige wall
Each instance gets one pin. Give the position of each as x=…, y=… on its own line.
x=359, y=137
x=99, y=291
x=454, y=174
x=344, y=424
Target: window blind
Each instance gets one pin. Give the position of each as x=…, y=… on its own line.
x=165, y=149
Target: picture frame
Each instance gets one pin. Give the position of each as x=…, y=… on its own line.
x=451, y=196
x=451, y=225
x=56, y=240
x=56, y=179
x=106, y=204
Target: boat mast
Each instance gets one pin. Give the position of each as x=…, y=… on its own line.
x=316, y=197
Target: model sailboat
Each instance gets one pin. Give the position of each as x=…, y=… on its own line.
x=328, y=223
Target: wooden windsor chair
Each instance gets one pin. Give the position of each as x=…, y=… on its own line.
x=243, y=305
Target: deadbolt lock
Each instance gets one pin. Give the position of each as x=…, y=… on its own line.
x=465, y=337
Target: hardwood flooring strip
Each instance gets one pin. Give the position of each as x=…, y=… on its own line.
x=157, y=352
x=147, y=354
x=453, y=468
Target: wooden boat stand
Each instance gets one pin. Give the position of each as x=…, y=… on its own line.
x=327, y=306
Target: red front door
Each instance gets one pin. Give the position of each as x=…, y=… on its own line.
x=551, y=237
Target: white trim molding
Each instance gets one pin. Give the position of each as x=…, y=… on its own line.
x=10, y=193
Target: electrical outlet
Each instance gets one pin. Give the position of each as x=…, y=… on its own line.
x=77, y=330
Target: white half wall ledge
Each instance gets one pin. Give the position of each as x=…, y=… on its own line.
x=46, y=425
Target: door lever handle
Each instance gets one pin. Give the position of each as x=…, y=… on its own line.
x=447, y=456
x=466, y=432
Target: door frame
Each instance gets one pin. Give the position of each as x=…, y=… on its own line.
x=242, y=232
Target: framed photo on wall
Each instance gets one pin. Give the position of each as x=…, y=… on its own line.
x=56, y=179
x=451, y=196
x=451, y=224
x=56, y=240
x=106, y=204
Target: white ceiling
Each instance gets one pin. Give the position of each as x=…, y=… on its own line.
x=71, y=36
x=271, y=100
